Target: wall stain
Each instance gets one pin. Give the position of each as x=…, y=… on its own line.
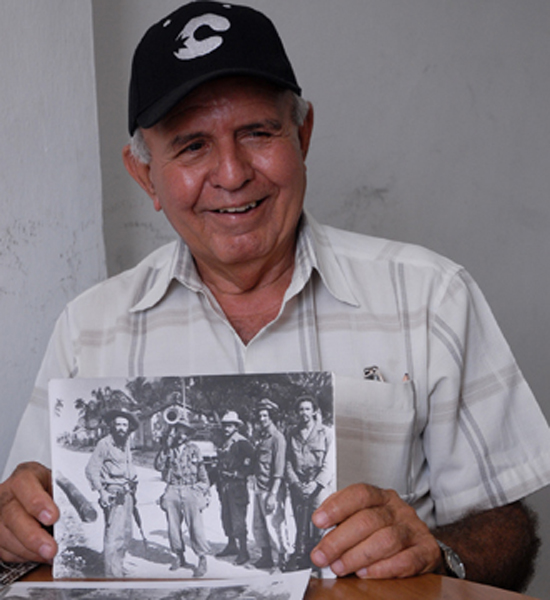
x=366, y=205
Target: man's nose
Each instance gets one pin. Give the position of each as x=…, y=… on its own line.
x=232, y=168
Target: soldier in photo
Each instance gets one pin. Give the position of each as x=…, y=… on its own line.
x=309, y=475
x=111, y=473
x=235, y=462
x=186, y=495
x=270, y=529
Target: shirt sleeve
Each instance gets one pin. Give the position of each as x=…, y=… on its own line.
x=326, y=474
x=487, y=442
x=95, y=463
x=279, y=455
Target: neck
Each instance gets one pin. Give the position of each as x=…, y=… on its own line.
x=250, y=295
x=307, y=427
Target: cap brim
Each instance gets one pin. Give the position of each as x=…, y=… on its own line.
x=155, y=113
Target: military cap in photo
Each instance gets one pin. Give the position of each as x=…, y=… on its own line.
x=266, y=404
x=231, y=417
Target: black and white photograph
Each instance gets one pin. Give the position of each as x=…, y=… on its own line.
x=190, y=477
x=287, y=586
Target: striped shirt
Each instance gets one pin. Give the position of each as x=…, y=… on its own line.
x=453, y=427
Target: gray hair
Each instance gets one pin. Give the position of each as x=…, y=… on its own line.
x=300, y=108
x=138, y=147
x=140, y=151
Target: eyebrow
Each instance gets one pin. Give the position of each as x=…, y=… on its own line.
x=273, y=124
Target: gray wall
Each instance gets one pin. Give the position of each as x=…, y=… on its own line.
x=51, y=244
x=432, y=126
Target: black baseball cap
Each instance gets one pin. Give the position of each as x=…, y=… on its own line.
x=199, y=42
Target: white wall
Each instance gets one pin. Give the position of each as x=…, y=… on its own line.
x=432, y=126
x=51, y=244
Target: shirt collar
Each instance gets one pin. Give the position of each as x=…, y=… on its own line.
x=179, y=266
x=313, y=252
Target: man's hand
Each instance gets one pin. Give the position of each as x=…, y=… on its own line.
x=376, y=535
x=270, y=503
x=26, y=507
x=311, y=489
x=105, y=499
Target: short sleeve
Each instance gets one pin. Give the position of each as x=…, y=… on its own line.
x=486, y=442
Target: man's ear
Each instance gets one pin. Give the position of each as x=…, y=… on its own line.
x=305, y=130
x=141, y=173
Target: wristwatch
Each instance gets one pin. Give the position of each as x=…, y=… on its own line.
x=453, y=565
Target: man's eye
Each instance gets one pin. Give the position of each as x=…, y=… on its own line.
x=253, y=134
x=193, y=147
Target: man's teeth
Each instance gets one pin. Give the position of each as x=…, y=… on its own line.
x=239, y=209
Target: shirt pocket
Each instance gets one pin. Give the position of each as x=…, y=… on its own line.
x=375, y=423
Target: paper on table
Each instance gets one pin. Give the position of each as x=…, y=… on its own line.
x=283, y=586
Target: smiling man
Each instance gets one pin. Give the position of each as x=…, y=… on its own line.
x=219, y=138
x=227, y=168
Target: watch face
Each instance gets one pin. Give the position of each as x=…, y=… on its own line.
x=453, y=565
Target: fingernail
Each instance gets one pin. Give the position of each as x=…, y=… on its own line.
x=46, y=551
x=338, y=567
x=362, y=573
x=319, y=558
x=321, y=519
x=45, y=517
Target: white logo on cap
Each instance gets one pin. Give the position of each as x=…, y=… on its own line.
x=192, y=48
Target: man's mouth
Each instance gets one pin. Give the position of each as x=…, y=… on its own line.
x=239, y=209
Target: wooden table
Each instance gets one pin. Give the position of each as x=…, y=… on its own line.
x=424, y=587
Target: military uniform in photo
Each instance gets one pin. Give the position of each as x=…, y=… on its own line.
x=310, y=478
x=185, y=497
x=235, y=464
x=111, y=472
x=269, y=520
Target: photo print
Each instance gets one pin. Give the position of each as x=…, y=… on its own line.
x=190, y=477
x=282, y=586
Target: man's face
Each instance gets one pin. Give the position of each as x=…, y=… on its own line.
x=229, y=429
x=305, y=412
x=181, y=435
x=121, y=428
x=227, y=168
x=264, y=419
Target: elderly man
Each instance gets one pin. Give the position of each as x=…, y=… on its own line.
x=254, y=284
x=185, y=496
x=309, y=475
x=111, y=473
x=235, y=456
